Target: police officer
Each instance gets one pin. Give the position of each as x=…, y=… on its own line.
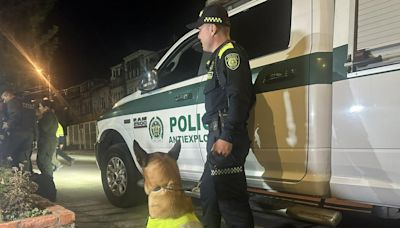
x=20, y=130
x=229, y=95
x=47, y=142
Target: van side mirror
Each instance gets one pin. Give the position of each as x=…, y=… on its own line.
x=149, y=81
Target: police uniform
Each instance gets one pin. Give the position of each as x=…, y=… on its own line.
x=47, y=142
x=229, y=95
x=21, y=130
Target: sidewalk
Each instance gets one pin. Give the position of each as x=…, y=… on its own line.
x=81, y=155
x=82, y=152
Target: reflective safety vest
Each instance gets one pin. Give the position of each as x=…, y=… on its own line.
x=172, y=222
x=60, y=131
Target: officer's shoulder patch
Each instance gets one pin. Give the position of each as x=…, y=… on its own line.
x=232, y=61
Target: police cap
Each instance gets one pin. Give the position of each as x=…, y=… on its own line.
x=214, y=14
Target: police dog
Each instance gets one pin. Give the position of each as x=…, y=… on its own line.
x=167, y=202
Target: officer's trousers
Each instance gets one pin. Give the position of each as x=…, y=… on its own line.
x=60, y=152
x=19, y=146
x=46, y=149
x=3, y=148
x=226, y=195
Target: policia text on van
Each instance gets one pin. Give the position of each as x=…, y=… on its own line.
x=325, y=123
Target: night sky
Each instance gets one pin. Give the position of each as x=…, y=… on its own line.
x=95, y=35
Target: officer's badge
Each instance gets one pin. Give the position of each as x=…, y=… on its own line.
x=232, y=61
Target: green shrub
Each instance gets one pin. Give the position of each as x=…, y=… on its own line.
x=16, y=191
x=4, y=176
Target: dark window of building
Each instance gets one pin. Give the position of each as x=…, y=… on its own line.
x=136, y=68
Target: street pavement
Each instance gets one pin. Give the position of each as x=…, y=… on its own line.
x=79, y=189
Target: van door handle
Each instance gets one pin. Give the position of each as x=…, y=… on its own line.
x=183, y=96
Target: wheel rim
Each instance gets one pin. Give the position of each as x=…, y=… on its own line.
x=117, y=179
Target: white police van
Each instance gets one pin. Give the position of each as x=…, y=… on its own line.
x=325, y=127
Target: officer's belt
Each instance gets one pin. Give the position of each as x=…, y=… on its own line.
x=226, y=171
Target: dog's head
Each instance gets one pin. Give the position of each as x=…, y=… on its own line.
x=159, y=169
x=162, y=182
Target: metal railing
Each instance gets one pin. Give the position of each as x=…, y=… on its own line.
x=81, y=136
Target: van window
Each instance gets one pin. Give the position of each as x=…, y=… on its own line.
x=182, y=64
x=377, y=34
x=263, y=29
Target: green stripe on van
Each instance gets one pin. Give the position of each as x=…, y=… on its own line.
x=339, y=59
x=165, y=100
x=315, y=68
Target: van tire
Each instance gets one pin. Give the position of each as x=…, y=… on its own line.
x=120, y=176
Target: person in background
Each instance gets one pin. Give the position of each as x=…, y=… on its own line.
x=20, y=130
x=29, y=115
x=60, y=150
x=47, y=141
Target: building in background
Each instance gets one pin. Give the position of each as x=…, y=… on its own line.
x=90, y=99
x=137, y=64
x=86, y=102
x=117, y=83
x=101, y=99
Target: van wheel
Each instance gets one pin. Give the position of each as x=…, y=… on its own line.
x=119, y=177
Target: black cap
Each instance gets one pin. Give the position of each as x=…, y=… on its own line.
x=214, y=14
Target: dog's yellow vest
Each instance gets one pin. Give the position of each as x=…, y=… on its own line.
x=171, y=222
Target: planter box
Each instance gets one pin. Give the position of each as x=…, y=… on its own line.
x=59, y=217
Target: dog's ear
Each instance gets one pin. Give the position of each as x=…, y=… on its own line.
x=174, y=152
x=140, y=154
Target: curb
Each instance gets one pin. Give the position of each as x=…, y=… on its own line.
x=59, y=217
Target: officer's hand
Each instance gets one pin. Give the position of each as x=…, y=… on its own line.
x=61, y=146
x=222, y=147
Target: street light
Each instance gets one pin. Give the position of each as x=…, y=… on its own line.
x=40, y=71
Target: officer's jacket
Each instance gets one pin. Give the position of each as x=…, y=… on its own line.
x=14, y=114
x=229, y=89
x=19, y=118
x=48, y=125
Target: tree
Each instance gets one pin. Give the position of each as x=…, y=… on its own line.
x=25, y=40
